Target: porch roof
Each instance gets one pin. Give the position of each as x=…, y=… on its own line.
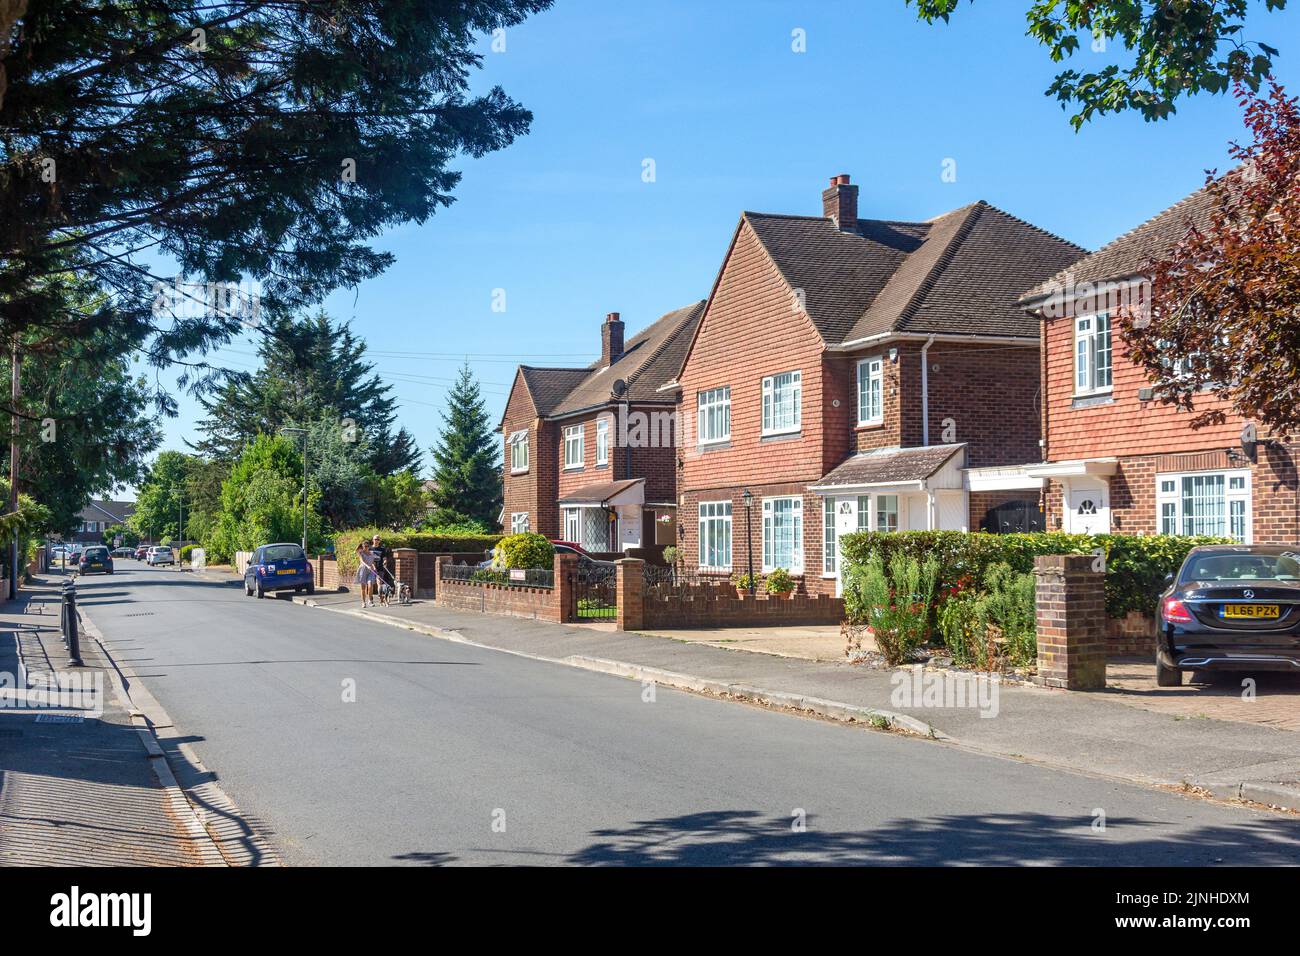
x=630, y=491
x=892, y=466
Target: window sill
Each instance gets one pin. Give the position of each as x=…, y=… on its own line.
x=869, y=426
x=1091, y=399
x=780, y=436
x=715, y=443
x=573, y=468
x=518, y=471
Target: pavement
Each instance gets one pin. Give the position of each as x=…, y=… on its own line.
x=81, y=782
x=1097, y=733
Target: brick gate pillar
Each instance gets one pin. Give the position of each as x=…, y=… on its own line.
x=404, y=567
x=564, y=595
x=630, y=575
x=1070, y=599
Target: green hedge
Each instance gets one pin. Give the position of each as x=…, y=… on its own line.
x=186, y=552
x=1136, y=565
x=345, y=543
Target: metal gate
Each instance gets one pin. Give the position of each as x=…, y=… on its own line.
x=596, y=592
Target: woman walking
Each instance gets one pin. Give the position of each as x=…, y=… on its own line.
x=366, y=573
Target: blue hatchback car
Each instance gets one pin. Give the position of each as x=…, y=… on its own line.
x=278, y=567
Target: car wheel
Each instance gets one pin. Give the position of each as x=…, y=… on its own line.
x=1167, y=676
x=261, y=591
x=311, y=588
x=248, y=588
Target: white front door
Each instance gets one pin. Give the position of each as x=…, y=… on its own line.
x=846, y=522
x=1087, y=507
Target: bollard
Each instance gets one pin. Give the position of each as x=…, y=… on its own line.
x=70, y=635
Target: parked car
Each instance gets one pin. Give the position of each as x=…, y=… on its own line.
x=93, y=559
x=278, y=567
x=160, y=554
x=1231, y=607
x=123, y=552
x=141, y=551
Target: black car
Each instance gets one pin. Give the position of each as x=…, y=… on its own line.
x=1231, y=607
x=95, y=559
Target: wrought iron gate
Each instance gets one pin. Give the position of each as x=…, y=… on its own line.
x=596, y=592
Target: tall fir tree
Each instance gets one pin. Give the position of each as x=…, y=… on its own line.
x=312, y=370
x=467, y=458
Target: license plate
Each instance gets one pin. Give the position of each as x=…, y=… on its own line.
x=1251, y=612
x=286, y=571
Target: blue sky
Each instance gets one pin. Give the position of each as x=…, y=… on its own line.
x=734, y=119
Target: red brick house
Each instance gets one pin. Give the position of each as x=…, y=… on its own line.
x=589, y=452
x=1113, y=459
x=856, y=373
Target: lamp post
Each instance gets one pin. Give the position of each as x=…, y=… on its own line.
x=303, y=432
x=748, y=499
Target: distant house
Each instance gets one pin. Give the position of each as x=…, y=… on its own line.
x=589, y=452
x=98, y=516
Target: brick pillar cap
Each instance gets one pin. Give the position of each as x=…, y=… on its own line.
x=401, y=550
x=630, y=561
x=1064, y=562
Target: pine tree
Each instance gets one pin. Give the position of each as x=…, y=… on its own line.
x=467, y=462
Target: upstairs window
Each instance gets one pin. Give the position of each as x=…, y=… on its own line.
x=573, y=446
x=871, y=382
x=1092, y=353
x=714, y=415
x=602, y=441
x=782, y=403
x=519, y=450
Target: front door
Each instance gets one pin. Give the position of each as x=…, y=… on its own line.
x=1088, y=507
x=846, y=522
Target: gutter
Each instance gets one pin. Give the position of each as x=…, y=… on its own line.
x=856, y=344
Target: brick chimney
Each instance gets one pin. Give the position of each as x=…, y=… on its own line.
x=611, y=339
x=840, y=203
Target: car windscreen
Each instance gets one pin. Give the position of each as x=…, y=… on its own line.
x=1243, y=567
x=282, y=552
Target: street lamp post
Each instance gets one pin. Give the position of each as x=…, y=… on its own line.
x=748, y=499
x=303, y=432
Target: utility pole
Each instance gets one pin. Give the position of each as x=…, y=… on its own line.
x=15, y=392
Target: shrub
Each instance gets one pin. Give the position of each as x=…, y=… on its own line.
x=963, y=622
x=672, y=555
x=779, y=582
x=1136, y=565
x=186, y=551
x=345, y=544
x=895, y=601
x=527, y=550
x=744, y=580
x=488, y=576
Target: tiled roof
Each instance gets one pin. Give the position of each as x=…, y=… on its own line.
x=891, y=466
x=651, y=358
x=100, y=510
x=1132, y=252
x=960, y=273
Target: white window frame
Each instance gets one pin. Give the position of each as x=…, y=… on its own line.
x=871, y=386
x=519, y=460
x=769, y=410
x=882, y=515
x=574, y=439
x=1089, y=346
x=518, y=522
x=602, y=441
x=1170, y=497
x=719, y=514
x=573, y=515
x=711, y=405
x=769, y=534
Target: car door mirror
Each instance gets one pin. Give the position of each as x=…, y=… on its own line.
x=1169, y=578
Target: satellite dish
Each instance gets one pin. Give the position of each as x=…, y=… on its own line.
x=619, y=388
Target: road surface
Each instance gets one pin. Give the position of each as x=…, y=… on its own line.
x=354, y=742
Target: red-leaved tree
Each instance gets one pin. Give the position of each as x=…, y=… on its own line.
x=1224, y=307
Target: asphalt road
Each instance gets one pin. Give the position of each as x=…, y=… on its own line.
x=453, y=754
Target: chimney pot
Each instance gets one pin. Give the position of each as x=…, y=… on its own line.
x=611, y=339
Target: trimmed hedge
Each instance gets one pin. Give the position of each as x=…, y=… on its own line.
x=345, y=544
x=1136, y=565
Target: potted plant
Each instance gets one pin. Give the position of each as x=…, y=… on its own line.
x=743, y=582
x=779, y=584
x=672, y=555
